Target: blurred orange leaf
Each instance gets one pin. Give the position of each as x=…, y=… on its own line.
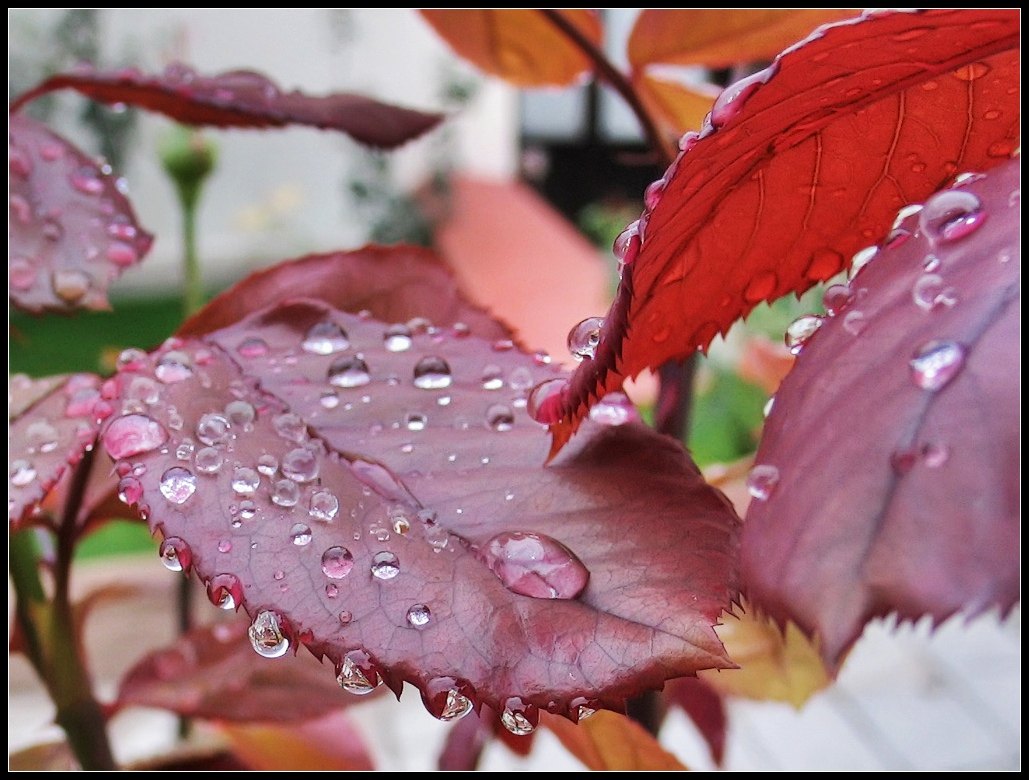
x=521, y=46
x=329, y=743
x=609, y=741
x=677, y=107
x=718, y=38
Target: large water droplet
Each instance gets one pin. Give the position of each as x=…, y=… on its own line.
x=930, y=292
x=337, y=562
x=862, y=258
x=213, y=429
x=349, y=371
x=22, y=473
x=535, y=565
x=225, y=591
x=446, y=704
x=950, y=215
x=936, y=363
x=245, y=481
x=325, y=338
x=613, y=409
x=285, y=492
x=300, y=534
x=176, y=555
x=266, y=635
x=240, y=414
x=544, y=402
x=130, y=490
x=499, y=417
x=351, y=678
x=397, y=338
x=837, y=297
x=133, y=434
x=730, y=102
x=584, y=338
x=324, y=506
x=208, y=460
x=300, y=465
x=290, y=427
x=762, y=480
x=174, y=366
x=432, y=373
x=178, y=484
x=800, y=331
x=70, y=284
x=385, y=565
x=418, y=616
x=516, y=722
x=626, y=247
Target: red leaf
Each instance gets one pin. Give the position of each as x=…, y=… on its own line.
x=792, y=176
x=53, y=422
x=394, y=284
x=242, y=98
x=439, y=487
x=465, y=742
x=212, y=672
x=705, y=706
x=519, y=45
x=890, y=460
x=72, y=231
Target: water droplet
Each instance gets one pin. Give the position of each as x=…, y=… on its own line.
x=936, y=363
x=613, y=409
x=328, y=400
x=397, y=338
x=972, y=71
x=331, y=590
x=385, y=565
x=285, y=492
x=173, y=367
x=950, y=215
x=837, y=297
x=492, y=377
x=290, y=427
x=584, y=712
x=247, y=509
x=545, y=400
x=70, y=284
x=337, y=562
x=800, y=331
x=22, y=473
x=345, y=618
x=541, y=358
x=516, y=722
x=213, y=429
x=349, y=372
x=245, y=481
x=87, y=181
x=225, y=546
x=767, y=409
x=133, y=434
x=401, y=525
x=175, y=554
x=418, y=616
x=455, y=706
x=862, y=258
x=432, y=373
x=729, y=103
x=22, y=274
x=325, y=338
x=252, y=347
x=300, y=465
x=240, y=414
x=535, y=565
x=929, y=293
x=130, y=490
x=208, y=460
x=499, y=417
x=178, y=484
x=626, y=246
x=351, y=677
x=266, y=635
x=415, y=421
x=762, y=480
x=300, y=534
x=324, y=506
x=132, y=359
x=935, y=455
x=854, y=322
x=41, y=436
x=584, y=338
x=225, y=591
x=761, y=287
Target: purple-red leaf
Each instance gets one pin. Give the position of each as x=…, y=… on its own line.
x=705, y=706
x=379, y=493
x=72, y=231
x=245, y=99
x=53, y=421
x=800, y=166
x=212, y=672
x=888, y=476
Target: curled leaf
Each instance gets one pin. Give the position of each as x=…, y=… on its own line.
x=888, y=478
x=72, y=231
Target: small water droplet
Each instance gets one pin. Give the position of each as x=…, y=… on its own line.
x=22, y=274
x=503, y=345
x=935, y=455
x=767, y=409
x=213, y=429
x=761, y=287
x=266, y=635
x=854, y=322
x=397, y=338
x=545, y=399
x=455, y=707
x=584, y=338
x=70, y=284
x=252, y=347
x=385, y=565
x=240, y=414
x=432, y=373
x=132, y=359
x=345, y=618
x=130, y=490
x=401, y=525
x=350, y=677
x=245, y=481
x=584, y=712
x=936, y=363
x=951, y=215
x=178, y=484
x=349, y=372
x=731, y=100
x=290, y=427
x=328, y=400
x=285, y=492
x=516, y=722
x=613, y=409
x=626, y=247
x=247, y=509
x=415, y=421
x=133, y=434
x=972, y=71
x=41, y=436
x=862, y=258
x=300, y=534
x=535, y=565
x=762, y=480
x=22, y=473
x=929, y=292
x=837, y=297
x=208, y=460
x=418, y=616
x=325, y=338
x=492, y=377
x=800, y=331
x=225, y=591
x=175, y=554
x=337, y=562
x=300, y=465
x=324, y=506
x=174, y=366
x=87, y=180
x=499, y=417
x=225, y=546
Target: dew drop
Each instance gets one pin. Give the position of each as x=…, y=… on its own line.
x=133, y=434
x=397, y=338
x=22, y=274
x=345, y=618
x=862, y=258
x=245, y=481
x=300, y=534
x=544, y=402
x=584, y=712
x=929, y=293
x=331, y=590
x=328, y=400
x=225, y=591
x=761, y=287
x=584, y=338
x=492, y=378
x=972, y=71
x=130, y=490
x=516, y=722
x=499, y=417
x=837, y=297
x=337, y=562
x=41, y=436
x=266, y=635
x=936, y=363
x=175, y=554
x=300, y=465
x=418, y=616
x=213, y=429
x=800, y=331
x=455, y=706
x=415, y=421
x=432, y=373
x=178, y=484
x=290, y=427
x=951, y=215
x=22, y=473
x=324, y=506
x=225, y=546
x=731, y=100
x=252, y=347
x=767, y=409
x=626, y=247
x=87, y=181
x=285, y=492
x=385, y=565
x=240, y=414
x=207, y=460
x=350, y=677
x=613, y=409
x=935, y=455
x=825, y=263
x=535, y=565
x=761, y=481
x=70, y=284
x=502, y=345
x=174, y=366
x=247, y=509
x=349, y=372
x=854, y=322
x=325, y=338
x=131, y=359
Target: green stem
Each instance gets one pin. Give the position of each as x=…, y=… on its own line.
x=193, y=283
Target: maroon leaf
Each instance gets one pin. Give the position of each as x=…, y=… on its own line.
x=394, y=284
x=889, y=466
x=797, y=168
x=242, y=98
x=72, y=230
x=53, y=422
x=465, y=742
x=705, y=706
x=212, y=672
x=378, y=516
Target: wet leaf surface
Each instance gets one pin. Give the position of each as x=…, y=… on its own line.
x=607, y=741
x=801, y=166
x=382, y=496
x=244, y=99
x=72, y=231
x=519, y=45
x=888, y=477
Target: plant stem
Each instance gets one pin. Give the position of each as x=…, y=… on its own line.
x=615, y=79
x=193, y=283
x=675, y=398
